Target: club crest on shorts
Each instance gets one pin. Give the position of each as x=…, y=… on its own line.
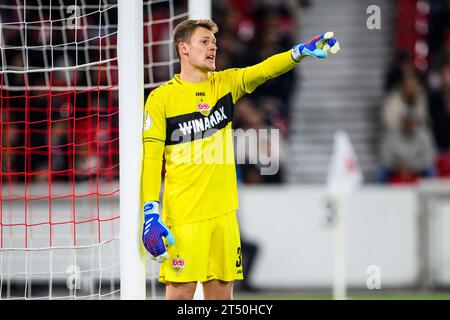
x=178, y=265
x=204, y=108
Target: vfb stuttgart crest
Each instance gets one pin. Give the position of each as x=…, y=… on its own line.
x=178, y=265
x=204, y=108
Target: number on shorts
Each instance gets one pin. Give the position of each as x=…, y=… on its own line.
x=239, y=259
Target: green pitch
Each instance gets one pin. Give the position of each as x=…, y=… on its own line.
x=378, y=296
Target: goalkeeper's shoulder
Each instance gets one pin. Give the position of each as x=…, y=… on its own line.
x=157, y=98
x=226, y=75
x=164, y=90
x=223, y=73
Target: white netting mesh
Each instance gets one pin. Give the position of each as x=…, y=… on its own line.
x=59, y=204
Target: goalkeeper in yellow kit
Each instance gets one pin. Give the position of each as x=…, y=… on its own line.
x=188, y=121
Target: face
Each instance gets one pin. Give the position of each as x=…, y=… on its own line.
x=200, y=51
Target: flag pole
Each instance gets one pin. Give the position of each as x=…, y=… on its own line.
x=339, y=279
x=344, y=178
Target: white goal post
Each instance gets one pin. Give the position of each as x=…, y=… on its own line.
x=131, y=102
x=131, y=82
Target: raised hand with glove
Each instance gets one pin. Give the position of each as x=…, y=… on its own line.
x=317, y=47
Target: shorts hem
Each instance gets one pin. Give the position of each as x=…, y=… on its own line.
x=200, y=279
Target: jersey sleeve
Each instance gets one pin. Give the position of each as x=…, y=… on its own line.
x=154, y=118
x=246, y=80
x=154, y=134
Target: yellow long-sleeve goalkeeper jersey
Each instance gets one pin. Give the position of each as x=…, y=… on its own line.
x=190, y=124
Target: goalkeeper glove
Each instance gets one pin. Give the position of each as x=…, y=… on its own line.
x=317, y=47
x=154, y=230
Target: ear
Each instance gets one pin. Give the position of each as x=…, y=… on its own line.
x=182, y=49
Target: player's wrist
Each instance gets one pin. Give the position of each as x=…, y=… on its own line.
x=296, y=53
x=151, y=207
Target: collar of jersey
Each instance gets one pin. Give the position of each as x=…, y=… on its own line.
x=192, y=84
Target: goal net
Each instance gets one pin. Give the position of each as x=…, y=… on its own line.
x=59, y=133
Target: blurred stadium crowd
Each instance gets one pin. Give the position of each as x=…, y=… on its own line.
x=415, y=114
x=249, y=32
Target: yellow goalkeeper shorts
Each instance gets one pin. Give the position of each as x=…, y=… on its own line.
x=204, y=250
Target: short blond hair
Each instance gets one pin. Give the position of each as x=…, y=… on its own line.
x=184, y=30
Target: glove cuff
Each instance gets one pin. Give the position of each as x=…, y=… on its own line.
x=295, y=53
x=151, y=207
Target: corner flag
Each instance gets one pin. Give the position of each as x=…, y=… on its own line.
x=344, y=177
x=344, y=172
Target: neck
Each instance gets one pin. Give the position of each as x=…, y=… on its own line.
x=190, y=73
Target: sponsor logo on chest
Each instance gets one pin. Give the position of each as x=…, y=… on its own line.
x=205, y=123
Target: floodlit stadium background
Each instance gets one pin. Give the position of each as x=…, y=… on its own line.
x=391, y=76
